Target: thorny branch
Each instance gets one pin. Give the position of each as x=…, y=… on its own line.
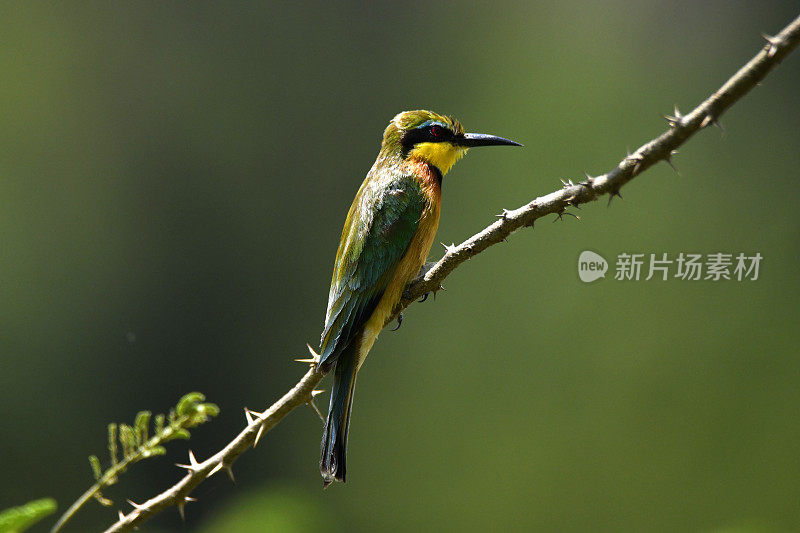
x=681, y=128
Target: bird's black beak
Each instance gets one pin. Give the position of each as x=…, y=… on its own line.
x=469, y=140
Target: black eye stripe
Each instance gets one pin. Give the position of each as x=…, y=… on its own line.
x=438, y=133
x=430, y=133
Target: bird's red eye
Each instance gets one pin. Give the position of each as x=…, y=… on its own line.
x=436, y=131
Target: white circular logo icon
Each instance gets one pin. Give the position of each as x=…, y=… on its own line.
x=591, y=266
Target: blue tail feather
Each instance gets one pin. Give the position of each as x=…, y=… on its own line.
x=333, y=454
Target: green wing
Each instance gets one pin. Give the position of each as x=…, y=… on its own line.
x=379, y=228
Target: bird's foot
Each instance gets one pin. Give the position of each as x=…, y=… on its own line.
x=399, y=322
x=423, y=271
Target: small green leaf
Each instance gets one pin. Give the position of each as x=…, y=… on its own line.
x=178, y=434
x=187, y=404
x=205, y=411
x=112, y=443
x=128, y=440
x=159, y=424
x=158, y=450
x=105, y=502
x=211, y=409
x=96, y=470
x=18, y=519
x=142, y=422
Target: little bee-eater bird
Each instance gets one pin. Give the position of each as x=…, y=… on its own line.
x=386, y=238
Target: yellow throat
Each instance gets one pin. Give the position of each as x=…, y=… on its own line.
x=442, y=155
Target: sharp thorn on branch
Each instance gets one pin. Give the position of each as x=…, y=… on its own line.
x=186, y=467
x=136, y=506
x=611, y=196
x=668, y=159
x=674, y=120
x=182, y=505
x=436, y=290
x=772, y=44
x=193, y=465
x=313, y=360
x=315, y=408
x=217, y=467
x=258, y=435
x=712, y=120
x=229, y=470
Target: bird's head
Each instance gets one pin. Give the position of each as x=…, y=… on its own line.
x=436, y=139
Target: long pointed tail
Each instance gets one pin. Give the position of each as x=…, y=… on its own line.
x=334, y=439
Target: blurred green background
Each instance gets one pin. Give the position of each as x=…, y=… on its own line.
x=174, y=181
